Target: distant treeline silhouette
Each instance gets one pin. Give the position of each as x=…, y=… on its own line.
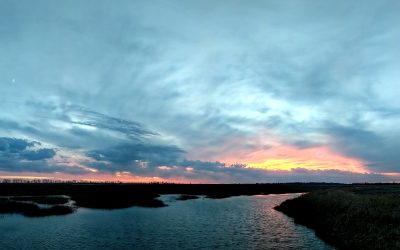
x=49, y=181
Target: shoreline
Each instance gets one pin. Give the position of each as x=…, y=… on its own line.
x=62, y=198
x=359, y=218
x=45, y=199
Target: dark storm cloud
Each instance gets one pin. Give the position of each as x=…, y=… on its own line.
x=20, y=149
x=126, y=155
x=20, y=155
x=371, y=146
x=14, y=145
x=201, y=165
x=37, y=166
x=95, y=119
x=40, y=154
x=73, y=126
x=304, y=144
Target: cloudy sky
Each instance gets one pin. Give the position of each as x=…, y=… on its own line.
x=200, y=91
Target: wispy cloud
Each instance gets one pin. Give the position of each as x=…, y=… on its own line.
x=108, y=86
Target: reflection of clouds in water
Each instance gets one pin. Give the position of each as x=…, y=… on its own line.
x=233, y=223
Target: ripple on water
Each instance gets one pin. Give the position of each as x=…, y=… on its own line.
x=244, y=222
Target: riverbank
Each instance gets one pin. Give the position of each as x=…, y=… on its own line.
x=26, y=198
x=362, y=217
x=113, y=196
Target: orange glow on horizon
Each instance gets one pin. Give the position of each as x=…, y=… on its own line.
x=393, y=174
x=275, y=157
x=282, y=157
x=124, y=177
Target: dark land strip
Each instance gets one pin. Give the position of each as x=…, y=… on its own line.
x=359, y=217
x=64, y=198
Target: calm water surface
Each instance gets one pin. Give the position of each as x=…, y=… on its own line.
x=244, y=222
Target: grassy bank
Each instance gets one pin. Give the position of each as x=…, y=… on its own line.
x=25, y=198
x=357, y=218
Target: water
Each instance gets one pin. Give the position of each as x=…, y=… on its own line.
x=244, y=222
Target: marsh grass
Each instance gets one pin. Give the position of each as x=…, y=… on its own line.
x=349, y=220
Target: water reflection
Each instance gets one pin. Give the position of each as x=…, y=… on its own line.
x=244, y=222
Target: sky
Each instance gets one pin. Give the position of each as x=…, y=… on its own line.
x=200, y=91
